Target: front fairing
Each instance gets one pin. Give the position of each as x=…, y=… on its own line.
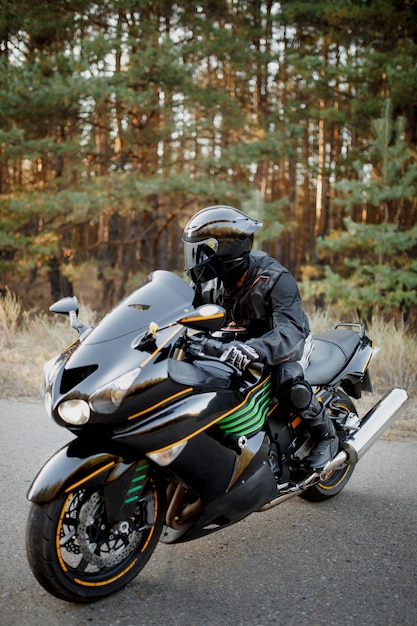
x=226, y=416
x=170, y=400
x=114, y=347
x=163, y=298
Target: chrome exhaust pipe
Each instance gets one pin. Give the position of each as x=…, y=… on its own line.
x=372, y=427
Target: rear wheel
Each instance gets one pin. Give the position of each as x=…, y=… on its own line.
x=334, y=481
x=77, y=556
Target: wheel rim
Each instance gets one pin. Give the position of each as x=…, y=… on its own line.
x=89, y=552
x=334, y=478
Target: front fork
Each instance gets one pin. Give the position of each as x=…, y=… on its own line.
x=122, y=494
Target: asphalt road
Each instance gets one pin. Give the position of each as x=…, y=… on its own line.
x=349, y=561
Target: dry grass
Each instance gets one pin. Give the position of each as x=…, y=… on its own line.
x=395, y=357
x=394, y=365
x=28, y=340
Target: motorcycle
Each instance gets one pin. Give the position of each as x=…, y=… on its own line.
x=171, y=443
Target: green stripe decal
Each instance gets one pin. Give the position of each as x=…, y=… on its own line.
x=251, y=416
x=141, y=477
x=129, y=500
x=138, y=480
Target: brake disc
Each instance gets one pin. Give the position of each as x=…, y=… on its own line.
x=100, y=545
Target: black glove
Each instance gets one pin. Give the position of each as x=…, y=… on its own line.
x=240, y=355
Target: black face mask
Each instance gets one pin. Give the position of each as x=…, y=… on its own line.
x=229, y=271
x=235, y=273
x=202, y=273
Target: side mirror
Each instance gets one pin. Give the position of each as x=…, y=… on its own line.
x=69, y=306
x=65, y=306
x=209, y=317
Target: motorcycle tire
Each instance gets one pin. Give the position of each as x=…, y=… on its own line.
x=337, y=480
x=77, y=557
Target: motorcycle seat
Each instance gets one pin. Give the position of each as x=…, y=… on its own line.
x=332, y=351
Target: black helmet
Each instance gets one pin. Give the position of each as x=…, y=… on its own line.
x=217, y=239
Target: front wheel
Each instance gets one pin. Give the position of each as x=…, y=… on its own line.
x=77, y=556
x=334, y=481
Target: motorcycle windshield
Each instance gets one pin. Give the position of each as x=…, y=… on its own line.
x=163, y=298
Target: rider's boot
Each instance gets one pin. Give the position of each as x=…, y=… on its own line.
x=323, y=432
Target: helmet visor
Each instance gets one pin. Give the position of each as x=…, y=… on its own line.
x=199, y=252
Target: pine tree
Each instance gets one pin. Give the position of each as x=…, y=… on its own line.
x=118, y=120
x=373, y=265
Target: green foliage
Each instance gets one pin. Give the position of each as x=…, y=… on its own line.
x=120, y=119
x=375, y=270
x=268, y=214
x=374, y=266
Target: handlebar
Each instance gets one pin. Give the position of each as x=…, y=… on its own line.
x=215, y=348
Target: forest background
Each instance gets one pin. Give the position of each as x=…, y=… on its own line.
x=119, y=119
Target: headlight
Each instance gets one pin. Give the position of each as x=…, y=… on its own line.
x=109, y=397
x=76, y=412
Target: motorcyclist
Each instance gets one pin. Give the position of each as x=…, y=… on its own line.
x=261, y=295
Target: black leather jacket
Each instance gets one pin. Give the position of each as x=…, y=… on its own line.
x=268, y=305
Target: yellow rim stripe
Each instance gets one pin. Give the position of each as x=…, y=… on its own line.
x=330, y=487
x=58, y=534
x=333, y=486
x=84, y=583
